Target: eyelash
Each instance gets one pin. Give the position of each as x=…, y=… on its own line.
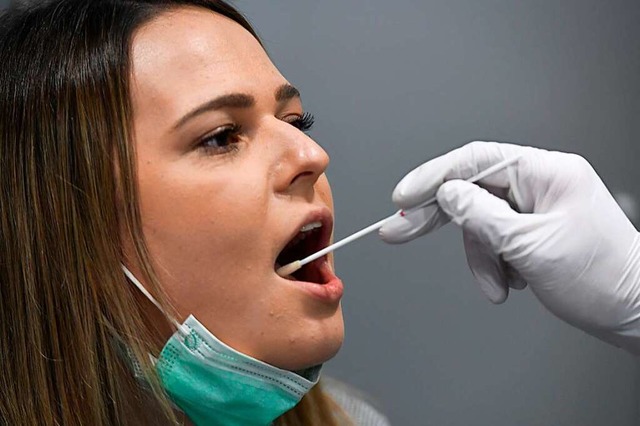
x=225, y=133
x=304, y=123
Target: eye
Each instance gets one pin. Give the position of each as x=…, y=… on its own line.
x=222, y=140
x=302, y=122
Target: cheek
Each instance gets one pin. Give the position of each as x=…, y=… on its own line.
x=186, y=197
x=202, y=214
x=203, y=228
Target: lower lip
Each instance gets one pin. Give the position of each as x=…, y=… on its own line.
x=330, y=292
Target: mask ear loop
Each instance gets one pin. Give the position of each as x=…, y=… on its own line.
x=181, y=328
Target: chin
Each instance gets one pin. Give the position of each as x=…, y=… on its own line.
x=310, y=349
x=325, y=352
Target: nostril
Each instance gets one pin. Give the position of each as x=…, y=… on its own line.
x=303, y=175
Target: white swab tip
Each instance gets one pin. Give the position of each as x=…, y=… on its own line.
x=289, y=269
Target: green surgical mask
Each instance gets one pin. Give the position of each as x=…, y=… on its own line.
x=213, y=384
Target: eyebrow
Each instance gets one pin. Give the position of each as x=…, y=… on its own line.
x=236, y=100
x=286, y=92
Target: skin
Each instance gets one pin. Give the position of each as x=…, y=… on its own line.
x=215, y=220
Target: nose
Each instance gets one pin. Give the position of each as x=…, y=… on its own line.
x=301, y=162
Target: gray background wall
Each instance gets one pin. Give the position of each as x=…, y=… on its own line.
x=395, y=83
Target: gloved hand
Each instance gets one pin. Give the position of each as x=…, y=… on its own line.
x=547, y=221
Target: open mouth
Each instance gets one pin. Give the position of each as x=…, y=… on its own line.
x=310, y=238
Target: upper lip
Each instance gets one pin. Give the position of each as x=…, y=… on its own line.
x=322, y=215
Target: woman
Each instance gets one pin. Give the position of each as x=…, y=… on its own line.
x=156, y=140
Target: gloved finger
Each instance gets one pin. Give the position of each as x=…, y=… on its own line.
x=422, y=183
x=487, y=268
x=514, y=279
x=413, y=224
x=478, y=212
x=491, y=271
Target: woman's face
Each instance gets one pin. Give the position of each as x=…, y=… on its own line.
x=227, y=179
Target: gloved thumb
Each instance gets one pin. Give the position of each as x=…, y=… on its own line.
x=488, y=218
x=413, y=224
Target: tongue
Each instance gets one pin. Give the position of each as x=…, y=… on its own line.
x=309, y=273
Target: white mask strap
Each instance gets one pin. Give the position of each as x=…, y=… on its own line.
x=148, y=295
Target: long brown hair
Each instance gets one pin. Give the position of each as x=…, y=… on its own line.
x=67, y=173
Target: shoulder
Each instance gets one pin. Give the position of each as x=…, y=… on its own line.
x=361, y=408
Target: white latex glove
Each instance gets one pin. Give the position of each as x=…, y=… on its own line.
x=559, y=230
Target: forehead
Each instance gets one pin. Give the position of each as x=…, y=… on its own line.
x=191, y=54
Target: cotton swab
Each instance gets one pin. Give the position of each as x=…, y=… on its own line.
x=296, y=265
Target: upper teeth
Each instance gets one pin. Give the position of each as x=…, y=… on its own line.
x=311, y=226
